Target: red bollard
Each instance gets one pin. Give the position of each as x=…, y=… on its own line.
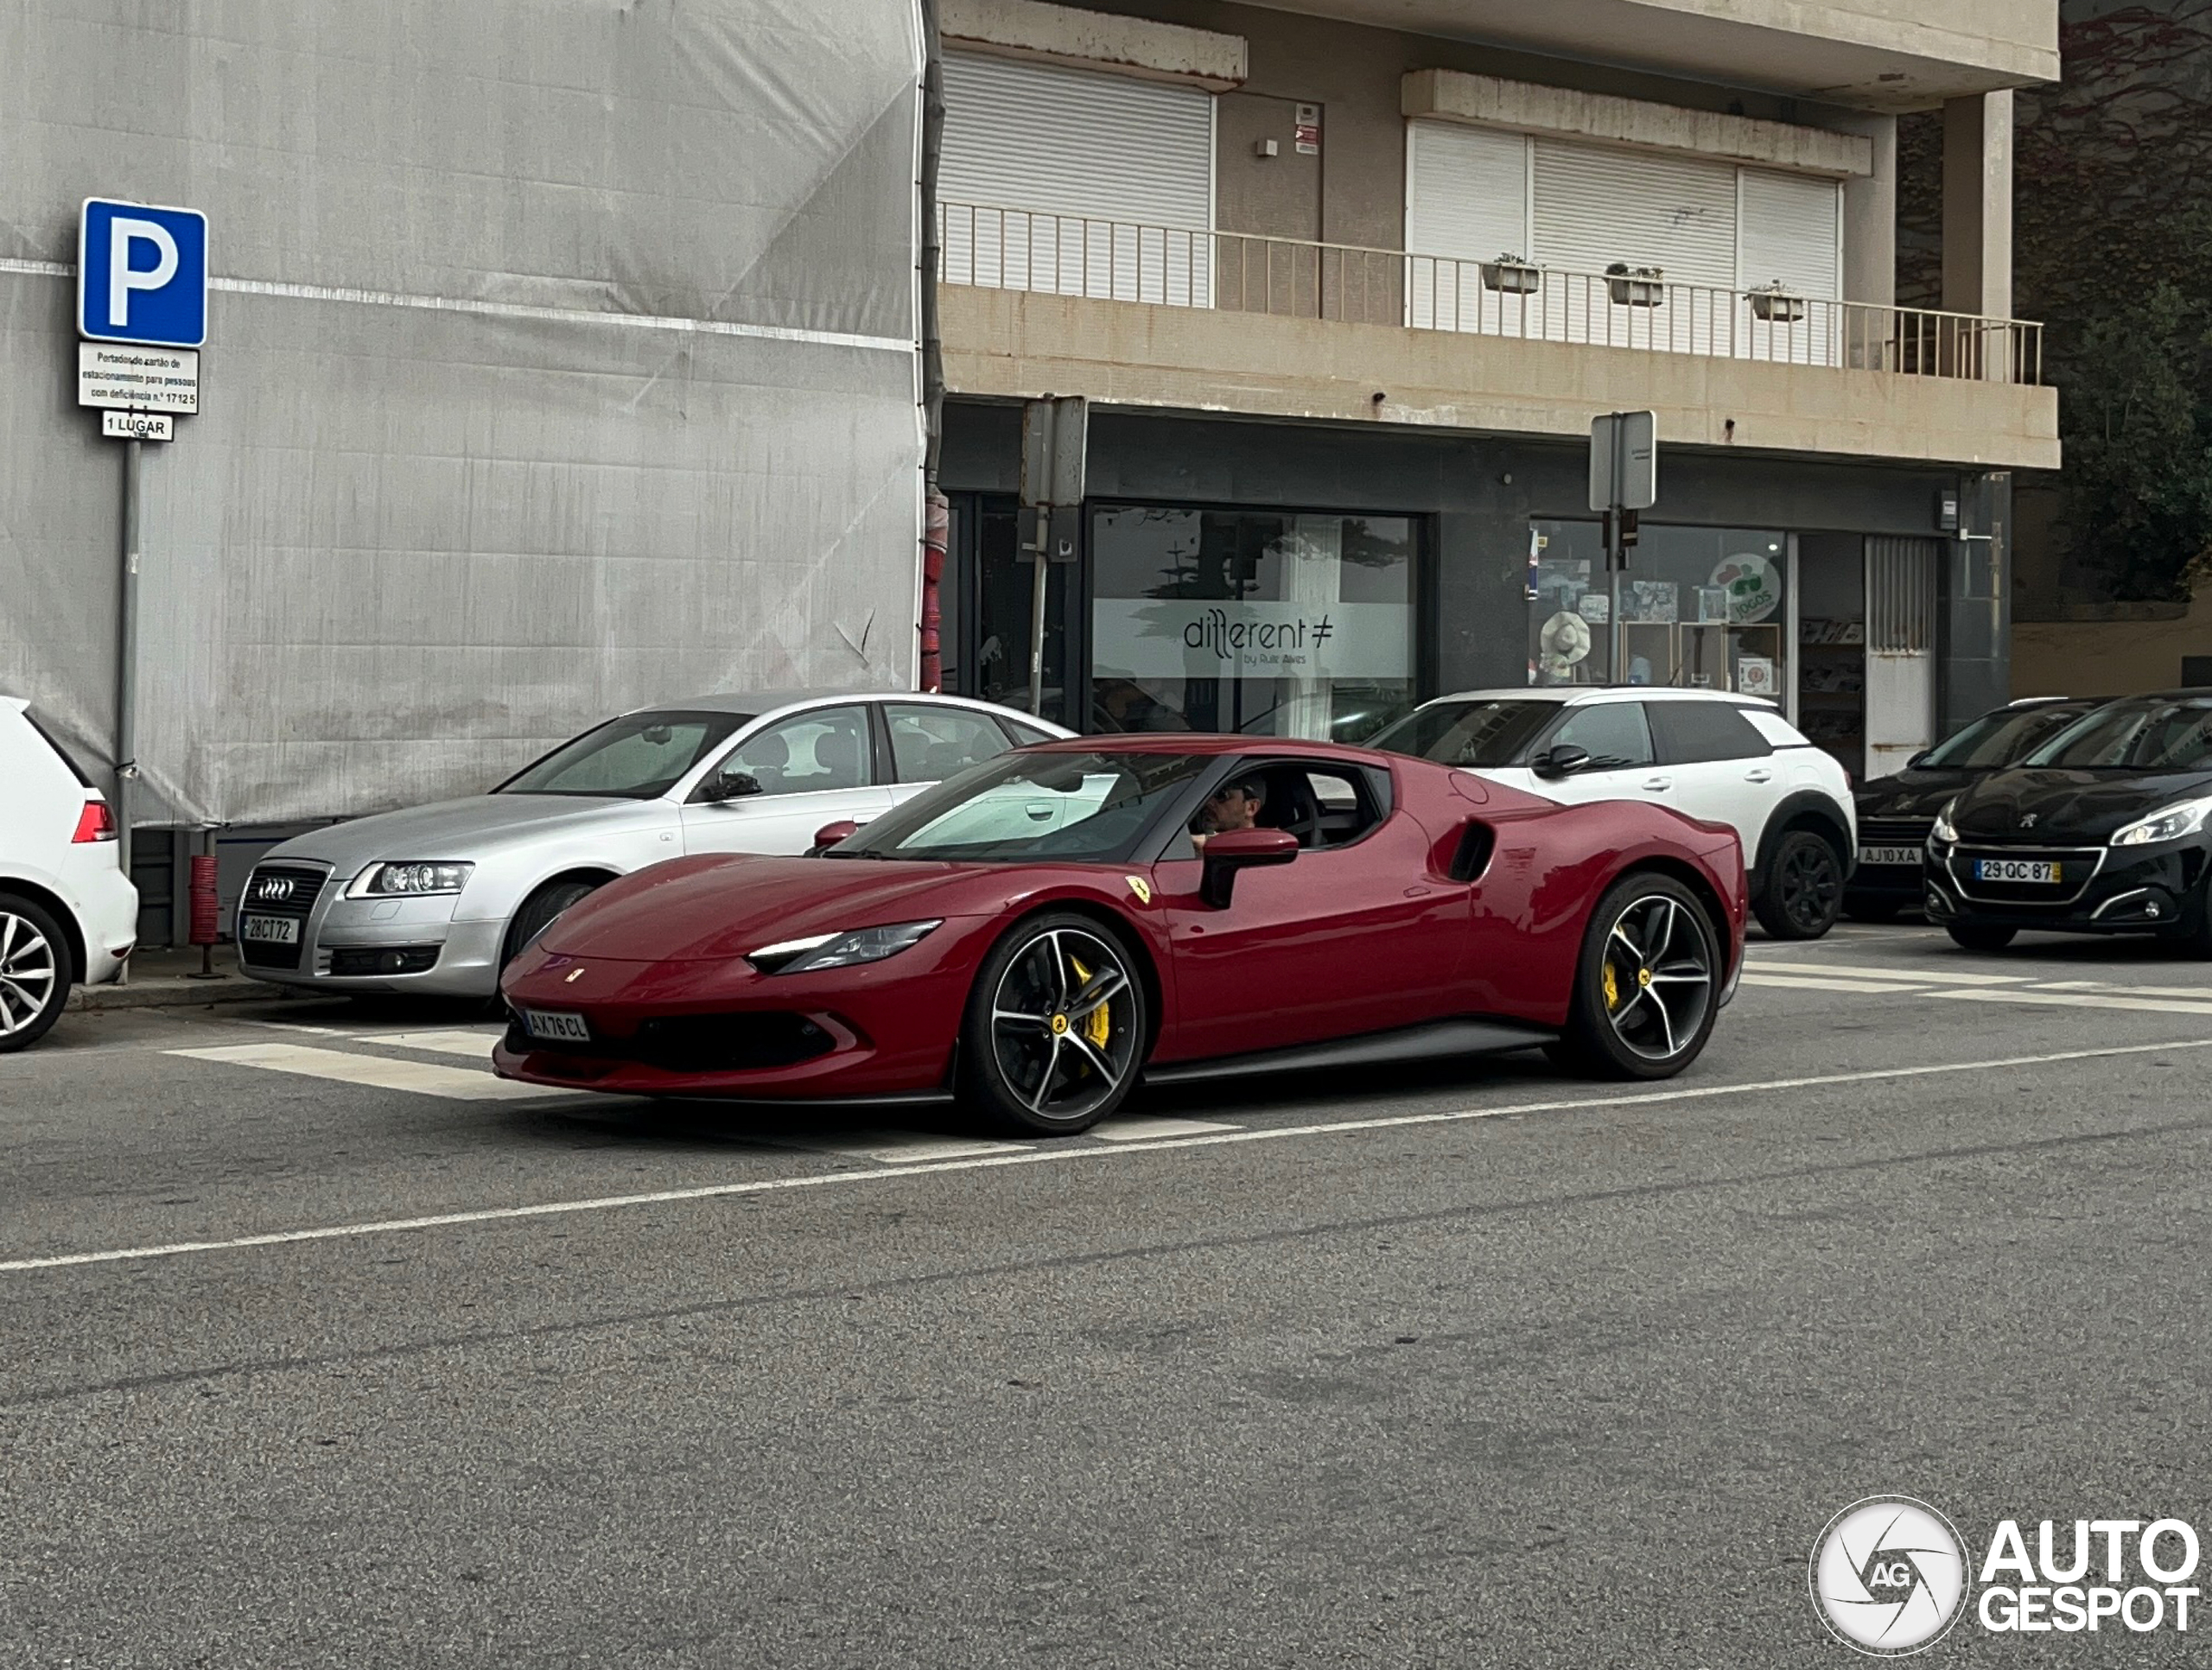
x=205, y=913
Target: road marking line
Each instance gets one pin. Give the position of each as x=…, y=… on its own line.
x=2202, y=993
x=892, y=1147
x=2086, y=1001
x=1072, y=1152
x=1136, y=1127
x=477, y=1046
x=1807, y=983
x=1869, y=971
x=376, y=1072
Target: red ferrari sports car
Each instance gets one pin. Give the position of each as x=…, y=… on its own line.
x=1035, y=936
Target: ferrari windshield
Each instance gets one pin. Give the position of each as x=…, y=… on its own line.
x=2171, y=734
x=637, y=757
x=1025, y=807
x=2001, y=738
x=1494, y=732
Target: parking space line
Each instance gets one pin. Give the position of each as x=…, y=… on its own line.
x=376, y=1072
x=1882, y=971
x=1041, y=1154
x=894, y=1148
x=2202, y=993
x=2087, y=1000
x=477, y=1046
x=1811, y=983
x=1136, y=1128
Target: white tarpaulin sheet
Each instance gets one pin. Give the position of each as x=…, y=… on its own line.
x=560, y=358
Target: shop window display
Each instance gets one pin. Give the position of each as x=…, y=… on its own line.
x=1705, y=608
x=1267, y=623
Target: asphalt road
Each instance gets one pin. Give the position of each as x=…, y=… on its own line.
x=1475, y=1366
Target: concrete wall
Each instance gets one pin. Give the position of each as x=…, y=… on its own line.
x=2139, y=648
x=1480, y=494
x=1013, y=343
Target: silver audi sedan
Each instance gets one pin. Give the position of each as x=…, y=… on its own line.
x=439, y=899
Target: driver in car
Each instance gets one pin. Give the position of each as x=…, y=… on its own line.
x=1235, y=805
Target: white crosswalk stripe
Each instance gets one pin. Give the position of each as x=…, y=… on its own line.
x=1892, y=980
x=379, y=1072
x=476, y=1045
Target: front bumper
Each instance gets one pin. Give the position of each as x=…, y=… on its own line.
x=2149, y=889
x=881, y=1030
x=376, y=945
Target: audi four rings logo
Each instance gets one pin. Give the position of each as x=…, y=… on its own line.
x=271, y=888
x=1889, y=1576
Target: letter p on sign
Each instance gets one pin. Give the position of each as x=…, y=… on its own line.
x=142, y=274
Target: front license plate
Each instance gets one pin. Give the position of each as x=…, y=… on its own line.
x=556, y=1024
x=2016, y=869
x=270, y=930
x=1889, y=854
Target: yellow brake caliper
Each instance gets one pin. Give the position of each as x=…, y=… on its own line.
x=1612, y=985
x=1100, y=1025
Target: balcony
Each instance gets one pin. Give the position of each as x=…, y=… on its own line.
x=1167, y=316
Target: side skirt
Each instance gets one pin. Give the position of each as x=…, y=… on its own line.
x=1426, y=1042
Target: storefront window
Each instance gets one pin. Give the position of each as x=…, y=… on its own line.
x=1273, y=623
x=1703, y=608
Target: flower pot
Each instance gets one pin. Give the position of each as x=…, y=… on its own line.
x=1512, y=277
x=1636, y=292
x=1778, y=307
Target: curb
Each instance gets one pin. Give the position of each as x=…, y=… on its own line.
x=175, y=992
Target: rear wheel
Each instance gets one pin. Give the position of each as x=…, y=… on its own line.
x=1980, y=937
x=34, y=973
x=1804, y=888
x=1646, y=989
x=1055, y=1029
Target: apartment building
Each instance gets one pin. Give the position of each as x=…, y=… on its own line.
x=1345, y=282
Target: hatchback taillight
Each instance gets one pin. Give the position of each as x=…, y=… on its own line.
x=95, y=822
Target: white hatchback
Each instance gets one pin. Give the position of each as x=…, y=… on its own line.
x=66, y=911
x=1731, y=760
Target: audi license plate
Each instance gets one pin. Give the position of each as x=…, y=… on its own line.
x=269, y=930
x=1889, y=854
x=560, y=1023
x=2016, y=869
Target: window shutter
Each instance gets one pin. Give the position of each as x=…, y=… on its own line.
x=1594, y=206
x=1467, y=199
x=1076, y=182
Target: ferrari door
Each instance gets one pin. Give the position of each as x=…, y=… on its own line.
x=812, y=769
x=1353, y=935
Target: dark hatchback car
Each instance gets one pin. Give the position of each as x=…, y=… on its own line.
x=2101, y=830
x=1896, y=812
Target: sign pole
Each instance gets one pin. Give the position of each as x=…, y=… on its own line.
x=1039, y=561
x=1616, y=559
x=126, y=676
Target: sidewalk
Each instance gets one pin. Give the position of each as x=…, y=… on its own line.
x=162, y=979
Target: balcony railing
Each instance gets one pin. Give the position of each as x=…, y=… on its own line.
x=1179, y=267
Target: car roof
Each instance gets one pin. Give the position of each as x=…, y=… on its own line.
x=1568, y=695
x=768, y=701
x=1212, y=742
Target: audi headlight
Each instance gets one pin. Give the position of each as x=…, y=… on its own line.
x=2184, y=818
x=411, y=879
x=1944, y=829
x=811, y=956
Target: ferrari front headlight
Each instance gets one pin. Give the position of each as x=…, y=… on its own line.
x=844, y=951
x=2184, y=818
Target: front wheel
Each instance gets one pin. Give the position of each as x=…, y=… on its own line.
x=1646, y=989
x=1803, y=893
x=34, y=974
x=540, y=910
x=1055, y=1029
x=1979, y=936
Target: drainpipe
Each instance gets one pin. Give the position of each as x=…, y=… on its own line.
x=936, y=513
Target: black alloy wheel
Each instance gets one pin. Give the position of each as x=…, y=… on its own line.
x=34, y=973
x=1648, y=985
x=1804, y=888
x=540, y=910
x=1055, y=1029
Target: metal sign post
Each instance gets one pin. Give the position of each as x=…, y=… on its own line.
x=1055, y=440
x=141, y=314
x=1623, y=480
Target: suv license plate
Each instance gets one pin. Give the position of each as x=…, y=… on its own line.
x=269, y=930
x=1889, y=855
x=2016, y=869
x=560, y=1023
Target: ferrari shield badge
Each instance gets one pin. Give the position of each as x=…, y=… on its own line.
x=1140, y=887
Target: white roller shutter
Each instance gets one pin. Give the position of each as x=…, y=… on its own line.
x=1792, y=235
x=1595, y=206
x=1076, y=182
x=1466, y=203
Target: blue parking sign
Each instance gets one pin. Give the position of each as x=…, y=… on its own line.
x=142, y=274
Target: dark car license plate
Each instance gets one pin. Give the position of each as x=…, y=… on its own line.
x=2017, y=869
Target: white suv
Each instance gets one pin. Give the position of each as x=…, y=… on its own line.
x=66, y=911
x=1725, y=758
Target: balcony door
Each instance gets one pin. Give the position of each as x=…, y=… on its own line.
x=1073, y=182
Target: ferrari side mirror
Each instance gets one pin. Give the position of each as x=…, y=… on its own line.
x=1565, y=760
x=830, y=834
x=1232, y=850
